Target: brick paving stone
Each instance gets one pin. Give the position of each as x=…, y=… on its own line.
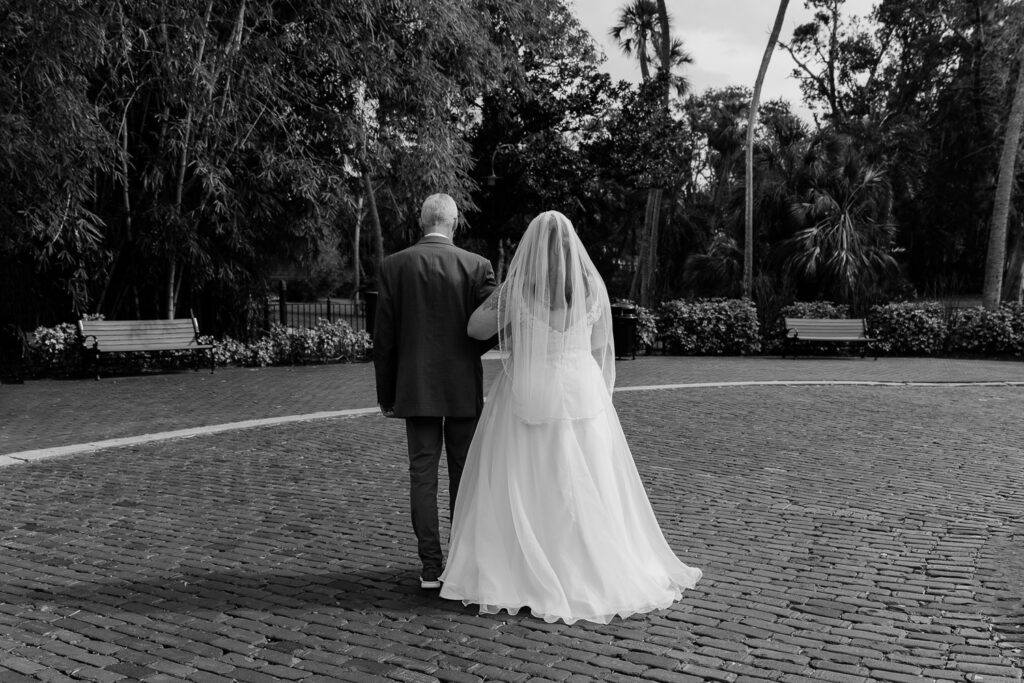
x=125, y=406
x=827, y=535
x=541, y=671
x=457, y=677
x=709, y=674
x=411, y=676
x=895, y=677
x=206, y=677
x=839, y=677
x=50, y=676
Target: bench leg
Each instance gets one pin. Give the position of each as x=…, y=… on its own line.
x=93, y=359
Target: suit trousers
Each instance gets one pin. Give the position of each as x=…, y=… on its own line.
x=426, y=435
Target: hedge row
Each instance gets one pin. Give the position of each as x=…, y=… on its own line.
x=731, y=327
x=932, y=329
x=56, y=351
x=682, y=327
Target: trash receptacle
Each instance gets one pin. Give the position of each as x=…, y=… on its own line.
x=624, y=323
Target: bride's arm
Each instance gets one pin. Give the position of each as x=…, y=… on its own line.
x=483, y=324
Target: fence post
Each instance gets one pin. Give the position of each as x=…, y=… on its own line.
x=329, y=318
x=282, y=304
x=370, y=309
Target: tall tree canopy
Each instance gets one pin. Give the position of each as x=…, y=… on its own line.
x=156, y=151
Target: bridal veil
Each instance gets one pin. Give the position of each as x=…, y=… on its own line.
x=553, y=301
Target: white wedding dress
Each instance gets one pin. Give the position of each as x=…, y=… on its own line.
x=551, y=513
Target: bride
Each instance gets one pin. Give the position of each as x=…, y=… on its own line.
x=551, y=513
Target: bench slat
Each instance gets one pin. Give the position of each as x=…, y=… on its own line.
x=118, y=336
x=141, y=335
x=145, y=345
x=817, y=330
x=826, y=329
x=93, y=326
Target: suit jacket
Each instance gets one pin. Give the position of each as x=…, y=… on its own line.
x=425, y=363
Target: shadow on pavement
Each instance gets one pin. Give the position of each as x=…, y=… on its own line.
x=228, y=592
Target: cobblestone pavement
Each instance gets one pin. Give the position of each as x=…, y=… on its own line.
x=51, y=413
x=847, y=534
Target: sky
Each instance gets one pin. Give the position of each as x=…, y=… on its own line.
x=726, y=39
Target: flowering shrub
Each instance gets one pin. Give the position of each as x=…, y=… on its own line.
x=709, y=327
x=327, y=342
x=56, y=351
x=908, y=328
x=646, y=328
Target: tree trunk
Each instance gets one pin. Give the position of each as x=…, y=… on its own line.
x=995, y=261
x=645, y=72
x=1013, y=287
x=665, y=52
x=653, y=218
x=642, y=285
x=748, y=226
x=378, y=233
x=640, y=288
x=356, y=245
x=127, y=205
x=179, y=187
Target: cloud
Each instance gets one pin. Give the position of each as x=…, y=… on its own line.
x=725, y=37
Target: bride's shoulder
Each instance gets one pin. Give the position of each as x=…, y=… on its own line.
x=593, y=310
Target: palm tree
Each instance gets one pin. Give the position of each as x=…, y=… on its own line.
x=715, y=271
x=843, y=245
x=748, y=245
x=644, y=30
x=677, y=58
x=994, y=263
x=637, y=31
x=665, y=45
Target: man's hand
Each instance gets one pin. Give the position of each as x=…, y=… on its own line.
x=387, y=411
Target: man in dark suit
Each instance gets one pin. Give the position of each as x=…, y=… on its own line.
x=428, y=369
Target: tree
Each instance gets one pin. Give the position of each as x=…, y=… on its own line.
x=159, y=157
x=748, y=244
x=53, y=141
x=842, y=248
x=637, y=32
x=837, y=62
x=646, y=25
x=921, y=85
x=995, y=261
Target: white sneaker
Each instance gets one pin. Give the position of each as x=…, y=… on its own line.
x=429, y=584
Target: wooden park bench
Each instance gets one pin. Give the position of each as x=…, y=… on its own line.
x=121, y=336
x=825, y=331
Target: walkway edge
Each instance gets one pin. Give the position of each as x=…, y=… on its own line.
x=823, y=382
x=43, y=453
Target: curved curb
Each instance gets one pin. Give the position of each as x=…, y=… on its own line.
x=75, y=449
x=42, y=453
x=823, y=382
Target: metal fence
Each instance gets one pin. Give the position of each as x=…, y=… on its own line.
x=301, y=314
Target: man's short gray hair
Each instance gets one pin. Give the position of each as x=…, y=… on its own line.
x=438, y=210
